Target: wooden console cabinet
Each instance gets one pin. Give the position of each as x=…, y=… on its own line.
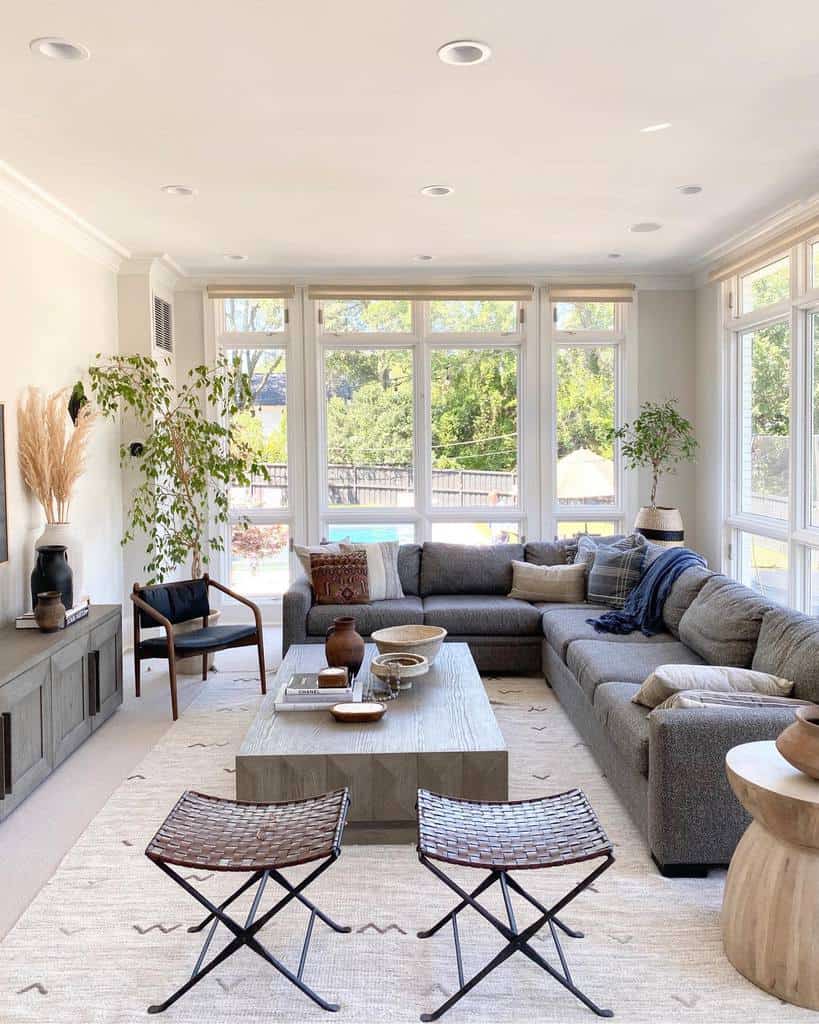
x=55, y=690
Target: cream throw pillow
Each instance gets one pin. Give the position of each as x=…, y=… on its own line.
x=709, y=699
x=382, y=569
x=667, y=680
x=560, y=583
x=303, y=553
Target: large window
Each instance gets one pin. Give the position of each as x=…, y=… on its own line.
x=772, y=525
x=366, y=316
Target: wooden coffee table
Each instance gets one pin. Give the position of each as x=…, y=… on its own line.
x=441, y=735
x=771, y=904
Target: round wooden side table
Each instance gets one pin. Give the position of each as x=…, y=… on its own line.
x=770, y=911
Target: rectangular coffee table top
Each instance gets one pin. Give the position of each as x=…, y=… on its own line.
x=446, y=710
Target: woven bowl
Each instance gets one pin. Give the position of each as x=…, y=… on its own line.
x=403, y=664
x=423, y=640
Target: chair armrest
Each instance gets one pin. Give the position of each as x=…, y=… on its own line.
x=157, y=617
x=296, y=603
x=257, y=615
x=693, y=815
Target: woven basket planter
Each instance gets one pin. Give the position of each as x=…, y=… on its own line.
x=663, y=526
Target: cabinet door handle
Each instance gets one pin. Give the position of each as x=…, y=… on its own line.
x=7, y=753
x=94, y=682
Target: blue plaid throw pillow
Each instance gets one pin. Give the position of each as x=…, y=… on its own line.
x=616, y=571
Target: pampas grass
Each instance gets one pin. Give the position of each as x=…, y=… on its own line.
x=51, y=450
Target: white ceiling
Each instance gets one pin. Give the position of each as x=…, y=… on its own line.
x=309, y=128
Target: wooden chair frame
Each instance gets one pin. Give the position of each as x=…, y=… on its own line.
x=256, y=639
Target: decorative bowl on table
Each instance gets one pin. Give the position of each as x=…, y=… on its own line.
x=423, y=640
x=401, y=664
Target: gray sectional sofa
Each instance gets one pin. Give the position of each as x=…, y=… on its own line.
x=666, y=765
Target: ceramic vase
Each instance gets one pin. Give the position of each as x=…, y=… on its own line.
x=52, y=573
x=343, y=647
x=49, y=611
x=662, y=526
x=62, y=533
x=799, y=743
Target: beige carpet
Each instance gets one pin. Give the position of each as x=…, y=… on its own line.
x=107, y=936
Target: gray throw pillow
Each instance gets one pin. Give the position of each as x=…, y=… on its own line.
x=615, y=572
x=723, y=621
x=789, y=646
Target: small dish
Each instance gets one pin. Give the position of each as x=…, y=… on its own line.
x=359, y=711
x=401, y=664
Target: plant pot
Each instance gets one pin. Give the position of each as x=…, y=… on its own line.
x=49, y=611
x=343, y=647
x=52, y=572
x=61, y=533
x=799, y=743
x=661, y=526
x=193, y=666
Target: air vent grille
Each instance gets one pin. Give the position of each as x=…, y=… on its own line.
x=163, y=324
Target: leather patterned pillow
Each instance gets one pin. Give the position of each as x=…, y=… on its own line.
x=340, y=579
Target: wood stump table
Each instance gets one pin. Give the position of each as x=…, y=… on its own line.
x=770, y=913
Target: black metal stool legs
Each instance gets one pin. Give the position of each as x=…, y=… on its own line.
x=246, y=935
x=517, y=940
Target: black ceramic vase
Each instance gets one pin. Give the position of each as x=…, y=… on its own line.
x=52, y=572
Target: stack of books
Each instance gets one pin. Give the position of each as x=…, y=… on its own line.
x=72, y=615
x=302, y=692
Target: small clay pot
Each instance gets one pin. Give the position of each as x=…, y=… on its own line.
x=343, y=647
x=799, y=743
x=50, y=611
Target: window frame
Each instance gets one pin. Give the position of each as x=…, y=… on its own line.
x=799, y=536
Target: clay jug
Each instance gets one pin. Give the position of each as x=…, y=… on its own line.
x=343, y=647
x=799, y=743
x=49, y=612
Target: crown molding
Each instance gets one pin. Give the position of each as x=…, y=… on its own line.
x=160, y=267
x=44, y=211
x=784, y=219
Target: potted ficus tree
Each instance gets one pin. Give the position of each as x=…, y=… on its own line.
x=659, y=439
x=189, y=451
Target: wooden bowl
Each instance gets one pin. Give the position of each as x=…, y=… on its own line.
x=423, y=640
x=401, y=664
x=358, y=711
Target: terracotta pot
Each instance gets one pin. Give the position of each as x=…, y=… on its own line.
x=662, y=526
x=49, y=612
x=343, y=647
x=799, y=743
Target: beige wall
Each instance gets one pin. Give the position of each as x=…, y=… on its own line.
x=666, y=369
x=59, y=310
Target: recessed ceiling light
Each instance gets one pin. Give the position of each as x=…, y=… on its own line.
x=236, y=256
x=661, y=127
x=644, y=226
x=615, y=255
x=436, y=190
x=464, y=52
x=690, y=190
x=422, y=258
x=179, y=190
x=58, y=49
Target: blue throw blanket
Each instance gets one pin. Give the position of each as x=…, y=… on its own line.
x=643, y=609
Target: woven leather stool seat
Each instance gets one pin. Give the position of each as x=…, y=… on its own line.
x=540, y=833
x=225, y=835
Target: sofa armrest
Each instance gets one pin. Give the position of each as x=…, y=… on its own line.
x=693, y=815
x=296, y=603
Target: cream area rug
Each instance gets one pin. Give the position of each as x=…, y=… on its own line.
x=107, y=936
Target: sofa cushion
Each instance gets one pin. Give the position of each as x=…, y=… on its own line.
x=383, y=581
x=723, y=621
x=409, y=568
x=197, y=639
x=482, y=615
x=378, y=615
x=468, y=568
x=789, y=646
x=625, y=722
x=683, y=591
x=593, y=662
x=614, y=574
x=555, y=552
x=563, y=625
x=669, y=680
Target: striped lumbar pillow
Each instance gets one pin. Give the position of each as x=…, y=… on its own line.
x=382, y=569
